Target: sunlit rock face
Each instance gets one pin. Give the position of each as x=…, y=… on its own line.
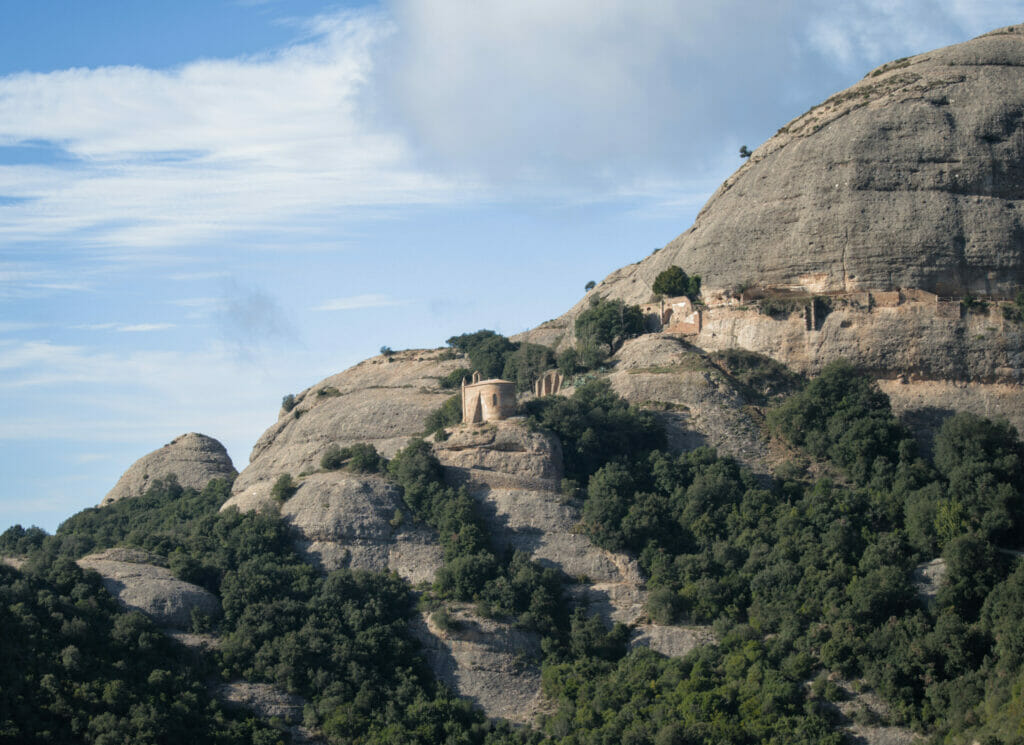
x=193, y=459
x=913, y=178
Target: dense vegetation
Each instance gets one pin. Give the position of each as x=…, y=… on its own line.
x=804, y=578
x=823, y=567
x=75, y=668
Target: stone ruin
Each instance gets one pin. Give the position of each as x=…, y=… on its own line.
x=674, y=315
x=548, y=384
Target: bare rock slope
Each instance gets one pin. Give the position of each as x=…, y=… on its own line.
x=912, y=177
x=383, y=401
x=193, y=459
x=892, y=201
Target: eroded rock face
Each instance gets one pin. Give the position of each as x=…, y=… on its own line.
x=135, y=578
x=696, y=401
x=493, y=664
x=912, y=177
x=672, y=641
x=515, y=475
x=193, y=459
x=269, y=703
x=383, y=401
x=345, y=520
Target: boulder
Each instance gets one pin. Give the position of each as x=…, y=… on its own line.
x=138, y=582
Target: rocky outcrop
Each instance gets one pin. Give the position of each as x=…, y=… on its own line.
x=193, y=459
x=672, y=641
x=269, y=704
x=515, y=475
x=923, y=405
x=344, y=520
x=911, y=177
x=928, y=579
x=139, y=582
x=493, y=664
x=383, y=401
x=698, y=403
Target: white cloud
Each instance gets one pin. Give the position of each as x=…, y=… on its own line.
x=597, y=94
x=130, y=327
x=136, y=327
x=433, y=101
x=171, y=157
x=356, y=302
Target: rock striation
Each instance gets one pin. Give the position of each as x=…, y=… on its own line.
x=493, y=664
x=193, y=459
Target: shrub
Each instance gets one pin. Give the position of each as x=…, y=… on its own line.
x=842, y=415
x=283, y=488
x=360, y=457
x=568, y=361
x=525, y=365
x=288, y=402
x=454, y=378
x=444, y=620
x=486, y=349
x=363, y=458
x=447, y=414
x=595, y=426
x=590, y=285
x=606, y=324
x=333, y=459
x=674, y=282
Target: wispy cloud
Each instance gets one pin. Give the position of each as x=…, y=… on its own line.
x=356, y=302
x=129, y=327
x=173, y=157
x=137, y=327
x=428, y=102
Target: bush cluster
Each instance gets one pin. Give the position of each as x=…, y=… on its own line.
x=360, y=457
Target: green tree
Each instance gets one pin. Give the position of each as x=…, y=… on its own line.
x=674, y=282
x=283, y=488
x=525, y=364
x=607, y=323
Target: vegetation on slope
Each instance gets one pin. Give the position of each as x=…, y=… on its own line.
x=801, y=578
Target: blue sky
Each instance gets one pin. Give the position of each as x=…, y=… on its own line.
x=205, y=205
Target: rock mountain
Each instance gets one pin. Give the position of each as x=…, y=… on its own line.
x=887, y=205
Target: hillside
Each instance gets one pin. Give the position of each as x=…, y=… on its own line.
x=894, y=206
x=801, y=522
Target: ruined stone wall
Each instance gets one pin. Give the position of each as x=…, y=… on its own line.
x=680, y=317
x=548, y=384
